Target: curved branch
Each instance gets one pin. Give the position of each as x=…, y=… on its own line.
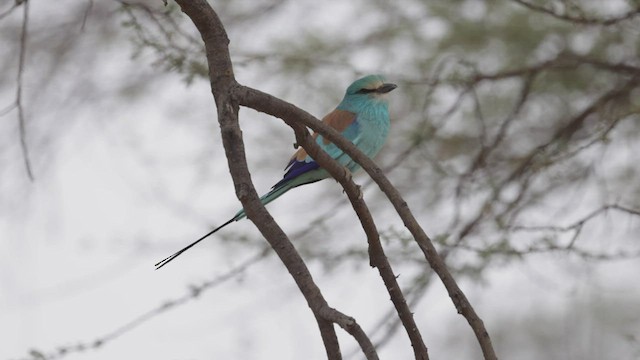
x=222, y=83
x=290, y=113
x=376, y=253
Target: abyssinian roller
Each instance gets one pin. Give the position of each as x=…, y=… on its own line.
x=362, y=117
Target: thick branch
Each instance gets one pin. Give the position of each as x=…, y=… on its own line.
x=222, y=84
x=284, y=110
x=377, y=257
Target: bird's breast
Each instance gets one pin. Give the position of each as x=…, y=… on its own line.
x=374, y=128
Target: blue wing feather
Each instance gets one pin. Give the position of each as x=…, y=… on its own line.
x=296, y=167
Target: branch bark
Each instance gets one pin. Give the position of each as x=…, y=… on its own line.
x=228, y=96
x=284, y=110
x=268, y=104
x=222, y=84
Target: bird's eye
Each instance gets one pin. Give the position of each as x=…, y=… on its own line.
x=365, y=91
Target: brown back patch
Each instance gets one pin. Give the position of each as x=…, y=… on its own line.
x=337, y=119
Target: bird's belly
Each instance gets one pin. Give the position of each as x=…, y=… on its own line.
x=373, y=137
x=370, y=143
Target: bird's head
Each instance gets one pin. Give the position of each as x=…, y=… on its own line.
x=369, y=87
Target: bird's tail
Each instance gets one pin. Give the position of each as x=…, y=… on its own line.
x=168, y=259
x=267, y=198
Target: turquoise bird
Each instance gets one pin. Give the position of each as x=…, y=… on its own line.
x=362, y=117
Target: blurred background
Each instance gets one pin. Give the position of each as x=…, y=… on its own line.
x=514, y=140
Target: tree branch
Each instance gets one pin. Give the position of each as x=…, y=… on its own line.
x=580, y=19
x=566, y=132
x=564, y=61
x=9, y=10
x=19, y=105
x=222, y=85
x=579, y=223
x=353, y=191
x=194, y=292
x=285, y=110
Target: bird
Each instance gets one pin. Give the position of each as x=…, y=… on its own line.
x=362, y=117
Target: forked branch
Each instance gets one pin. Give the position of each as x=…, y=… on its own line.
x=228, y=96
x=222, y=85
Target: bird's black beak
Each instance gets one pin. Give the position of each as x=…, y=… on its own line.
x=385, y=88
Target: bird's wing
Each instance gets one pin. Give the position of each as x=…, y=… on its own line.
x=300, y=163
x=341, y=120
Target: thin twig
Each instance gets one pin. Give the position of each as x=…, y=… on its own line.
x=19, y=104
x=580, y=19
x=577, y=224
x=194, y=292
x=85, y=15
x=564, y=61
x=9, y=10
x=548, y=248
x=8, y=109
